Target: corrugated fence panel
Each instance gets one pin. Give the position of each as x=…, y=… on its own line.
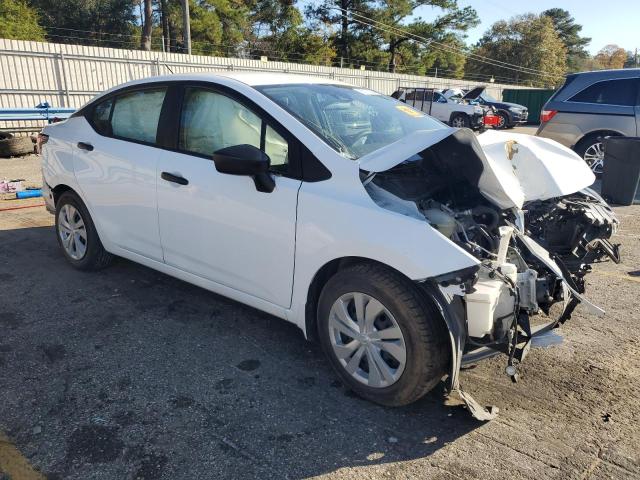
x=70, y=75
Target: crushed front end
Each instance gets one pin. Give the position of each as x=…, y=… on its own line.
x=532, y=257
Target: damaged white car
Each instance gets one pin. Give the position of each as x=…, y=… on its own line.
x=406, y=247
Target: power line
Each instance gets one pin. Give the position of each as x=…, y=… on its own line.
x=428, y=42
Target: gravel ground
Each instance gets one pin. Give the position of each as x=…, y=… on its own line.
x=25, y=168
x=128, y=373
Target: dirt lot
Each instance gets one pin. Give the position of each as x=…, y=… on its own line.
x=128, y=373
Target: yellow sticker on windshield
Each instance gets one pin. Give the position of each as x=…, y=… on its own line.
x=409, y=111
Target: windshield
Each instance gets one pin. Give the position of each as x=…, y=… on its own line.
x=352, y=121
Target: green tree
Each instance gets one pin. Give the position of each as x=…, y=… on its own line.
x=109, y=23
x=19, y=22
x=528, y=41
x=339, y=14
x=279, y=32
x=394, y=16
x=633, y=59
x=569, y=32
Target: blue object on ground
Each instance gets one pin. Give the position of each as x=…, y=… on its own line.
x=29, y=193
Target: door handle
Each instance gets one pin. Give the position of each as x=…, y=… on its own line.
x=85, y=146
x=169, y=177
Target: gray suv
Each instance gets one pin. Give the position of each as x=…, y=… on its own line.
x=590, y=106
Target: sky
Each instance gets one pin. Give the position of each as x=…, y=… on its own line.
x=605, y=21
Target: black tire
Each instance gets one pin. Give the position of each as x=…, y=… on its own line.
x=13, y=147
x=423, y=329
x=504, y=121
x=460, y=118
x=95, y=257
x=4, y=135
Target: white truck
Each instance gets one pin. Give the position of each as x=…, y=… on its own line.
x=434, y=103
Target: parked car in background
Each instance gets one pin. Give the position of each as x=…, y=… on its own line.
x=590, y=106
x=510, y=114
x=401, y=244
x=434, y=103
x=454, y=93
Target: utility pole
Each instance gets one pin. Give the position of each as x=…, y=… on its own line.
x=187, y=25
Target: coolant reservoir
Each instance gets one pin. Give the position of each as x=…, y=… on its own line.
x=441, y=221
x=491, y=300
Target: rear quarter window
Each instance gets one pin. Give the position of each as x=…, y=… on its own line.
x=101, y=117
x=609, y=92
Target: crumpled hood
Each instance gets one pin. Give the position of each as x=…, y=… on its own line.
x=517, y=168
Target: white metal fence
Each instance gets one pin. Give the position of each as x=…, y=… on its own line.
x=70, y=75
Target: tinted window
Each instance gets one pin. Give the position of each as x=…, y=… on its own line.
x=610, y=92
x=101, y=117
x=136, y=114
x=211, y=121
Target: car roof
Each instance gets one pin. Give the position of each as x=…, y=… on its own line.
x=252, y=79
x=608, y=74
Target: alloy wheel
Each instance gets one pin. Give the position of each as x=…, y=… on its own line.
x=457, y=122
x=594, y=156
x=72, y=231
x=367, y=340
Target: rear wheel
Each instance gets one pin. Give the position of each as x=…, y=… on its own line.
x=77, y=235
x=591, y=150
x=503, y=121
x=382, y=338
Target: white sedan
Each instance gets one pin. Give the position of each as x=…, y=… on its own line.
x=406, y=247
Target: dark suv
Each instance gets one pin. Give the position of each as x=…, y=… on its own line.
x=509, y=114
x=590, y=106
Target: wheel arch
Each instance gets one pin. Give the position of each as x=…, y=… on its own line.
x=59, y=189
x=458, y=113
x=327, y=271
x=595, y=133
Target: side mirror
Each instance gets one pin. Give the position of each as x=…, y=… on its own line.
x=246, y=160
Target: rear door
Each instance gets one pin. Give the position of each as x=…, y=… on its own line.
x=440, y=108
x=218, y=226
x=115, y=164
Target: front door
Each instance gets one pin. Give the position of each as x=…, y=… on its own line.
x=218, y=226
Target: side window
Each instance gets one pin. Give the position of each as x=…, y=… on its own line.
x=439, y=98
x=277, y=148
x=101, y=117
x=211, y=121
x=135, y=115
x=610, y=92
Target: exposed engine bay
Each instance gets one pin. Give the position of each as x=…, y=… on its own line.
x=530, y=258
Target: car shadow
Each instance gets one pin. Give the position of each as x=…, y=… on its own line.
x=129, y=373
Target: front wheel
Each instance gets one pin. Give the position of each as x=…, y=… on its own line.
x=384, y=340
x=77, y=235
x=460, y=121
